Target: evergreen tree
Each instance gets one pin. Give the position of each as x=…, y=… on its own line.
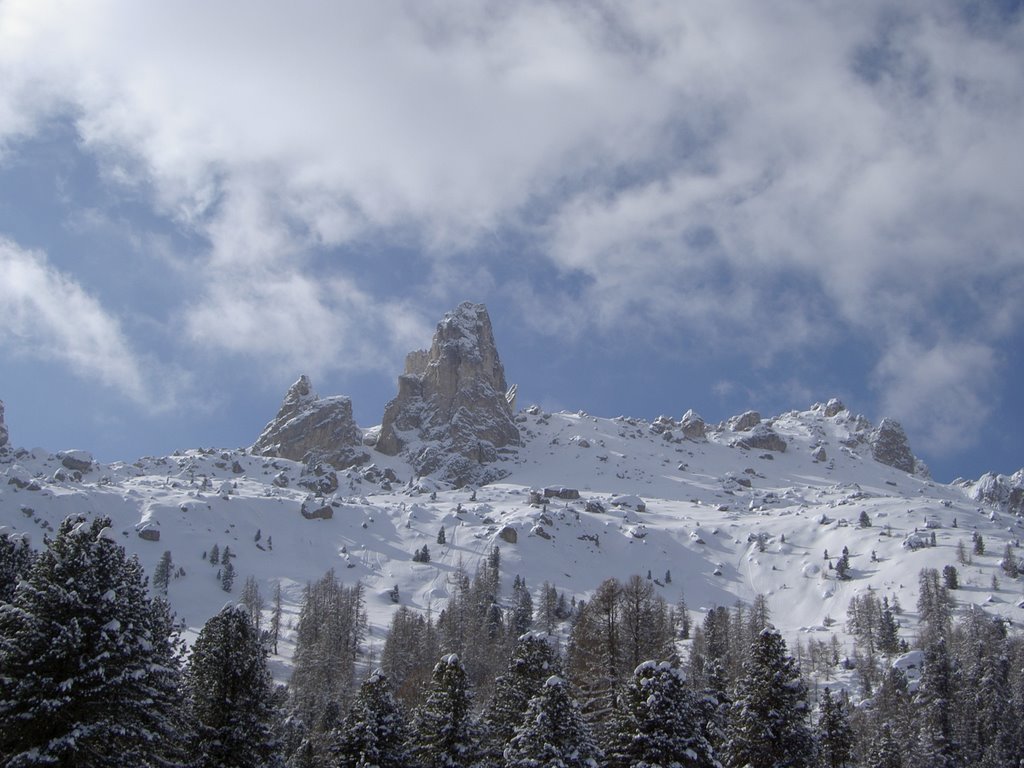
x=441, y=539
x=275, y=618
x=683, y=616
x=162, y=573
x=230, y=696
x=410, y=652
x=884, y=750
x=950, y=578
x=864, y=521
x=89, y=670
x=522, y=608
x=1009, y=563
x=253, y=602
x=979, y=544
x=843, y=565
x=15, y=560
x=657, y=723
x=935, y=701
x=767, y=720
x=533, y=661
x=835, y=737
x=227, y=571
x=330, y=629
x=215, y=555
x=553, y=732
x=445, y=734
x=373, y=734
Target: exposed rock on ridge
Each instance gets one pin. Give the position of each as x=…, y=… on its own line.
x=453, y=408
x=889, y=445
x=3, y=429
x=1003, y=491
x=313, y=429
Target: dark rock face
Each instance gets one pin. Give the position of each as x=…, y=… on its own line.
x=3, y=428
x=453, y=411
x=889, y=445
x=312, y=429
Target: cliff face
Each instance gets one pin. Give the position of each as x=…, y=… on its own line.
x=452, y=412
x=310, y=428
x=3, y=428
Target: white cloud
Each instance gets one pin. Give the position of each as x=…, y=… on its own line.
x=47, y=315
x=939, y=392
x=764, y=176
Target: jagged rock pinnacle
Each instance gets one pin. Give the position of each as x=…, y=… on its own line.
x=3, y=428
x=453, y=408
x=309, y=428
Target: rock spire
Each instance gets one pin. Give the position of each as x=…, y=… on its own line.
x=452, y=413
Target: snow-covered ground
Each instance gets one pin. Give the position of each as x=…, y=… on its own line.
x=725, y=522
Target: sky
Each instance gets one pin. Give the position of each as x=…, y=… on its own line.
x=664, y=205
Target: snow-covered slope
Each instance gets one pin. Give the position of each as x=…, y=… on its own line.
x=708, y=517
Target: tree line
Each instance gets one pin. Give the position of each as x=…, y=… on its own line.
x=93, y=673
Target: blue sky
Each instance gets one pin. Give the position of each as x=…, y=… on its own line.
x=665, y=205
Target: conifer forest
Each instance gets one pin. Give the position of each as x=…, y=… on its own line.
x=93, y=673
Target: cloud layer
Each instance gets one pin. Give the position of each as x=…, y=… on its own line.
x=770, y=176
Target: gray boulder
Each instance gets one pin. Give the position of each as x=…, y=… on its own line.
x=889, y=445
x=763, y=438
x=453, y=409
x=312, y=429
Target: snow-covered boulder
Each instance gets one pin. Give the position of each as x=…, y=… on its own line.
x=693, y=426
x=745, y=421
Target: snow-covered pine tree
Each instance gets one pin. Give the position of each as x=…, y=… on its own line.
x=227, y=577
x=767, y=725
x=657, y=723
x=522, y=608
x=15, y=560
x=444, y=733
x=935, y=701
x=373, y=733
x=553, y=733
x=162, y=573
x=835, y=737
x=410, y=652
x=89, y=671
x=331, y=627
x=229, y=695
x=533, y=661
x=253, y=602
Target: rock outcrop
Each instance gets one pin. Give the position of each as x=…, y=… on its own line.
x=889, y=445
x=453, y=409
x=745, y=421
x=312, y=429
x=693, y=426
x=3, y=429
x=1000, y=490
x=763, y=438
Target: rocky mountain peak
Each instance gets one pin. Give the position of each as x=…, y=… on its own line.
x=3, y=428
x=452, y=411
x=313, y=429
